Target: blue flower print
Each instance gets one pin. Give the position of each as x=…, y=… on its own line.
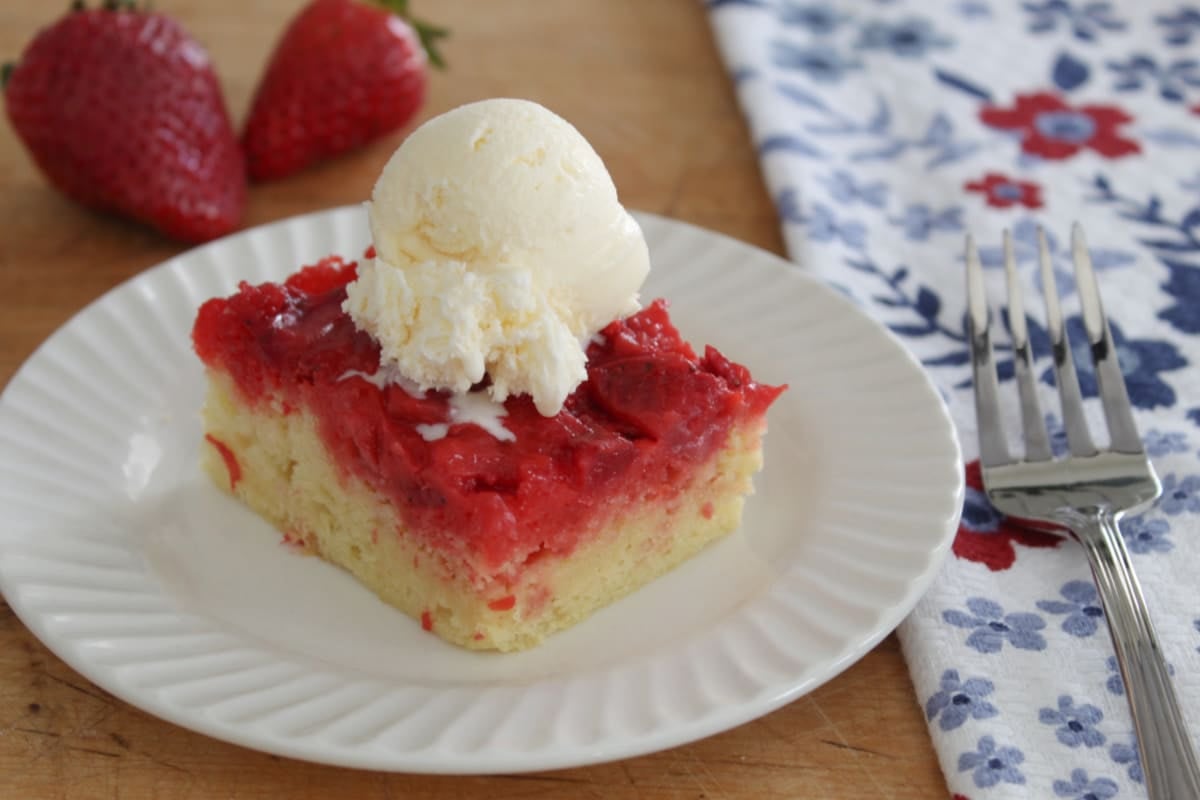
x=1128, y=755
x=1081, y=788
x=1025, y=250
x=1171, y=80
x=819, y=62
x=1069, y=72
x=939, y=141
x=1176, y=238
x=1184, y=287
x=1082, y=607
x=1085, y=19
x=1144, y=535
x=1180, y=495
x=1066, y=125
x=1180, y=26
x=992, y=764
x=1076, y=724
x=818, y=18
x=991, y=627
x=844, y=189
x=957, y=700
x=1141, y=360
x=919, y=221
x=974, y=9
x=823, y=226
x=978, y=513
x=1159, y=444
x=1057, y=433
x=1115, y=683
x=909, y=38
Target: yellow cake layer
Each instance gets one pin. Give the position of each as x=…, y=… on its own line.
x=288, y=478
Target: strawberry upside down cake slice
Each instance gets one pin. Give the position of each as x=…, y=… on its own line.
x=491, y=524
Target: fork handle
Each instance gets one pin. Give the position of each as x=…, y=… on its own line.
x=1168, y=758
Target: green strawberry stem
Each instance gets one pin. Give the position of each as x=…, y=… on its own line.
x=429, y=34
x=6, y=72
x=426, y=32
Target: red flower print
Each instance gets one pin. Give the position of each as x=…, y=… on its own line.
x=1004, y=192
x=1052, y=129
x=985, y=536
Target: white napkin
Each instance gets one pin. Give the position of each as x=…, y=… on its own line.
x=886, y=131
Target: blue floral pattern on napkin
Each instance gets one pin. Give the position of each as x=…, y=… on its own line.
x=887, y=129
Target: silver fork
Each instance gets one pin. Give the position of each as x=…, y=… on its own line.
x=1085, y=493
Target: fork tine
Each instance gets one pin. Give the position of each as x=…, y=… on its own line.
x=1037, y=444
x=993, y=450
x=1078, y=438
x=1113, y=395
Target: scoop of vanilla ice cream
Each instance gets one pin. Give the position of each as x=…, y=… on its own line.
x=501, y=248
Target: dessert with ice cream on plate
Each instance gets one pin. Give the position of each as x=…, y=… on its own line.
x=478, y=420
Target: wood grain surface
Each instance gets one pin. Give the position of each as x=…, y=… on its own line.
x=643, y=81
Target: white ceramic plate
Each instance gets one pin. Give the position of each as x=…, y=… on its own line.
x=122, y=558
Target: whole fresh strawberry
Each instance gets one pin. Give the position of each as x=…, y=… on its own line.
x=344, y=73
x=121, y=109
